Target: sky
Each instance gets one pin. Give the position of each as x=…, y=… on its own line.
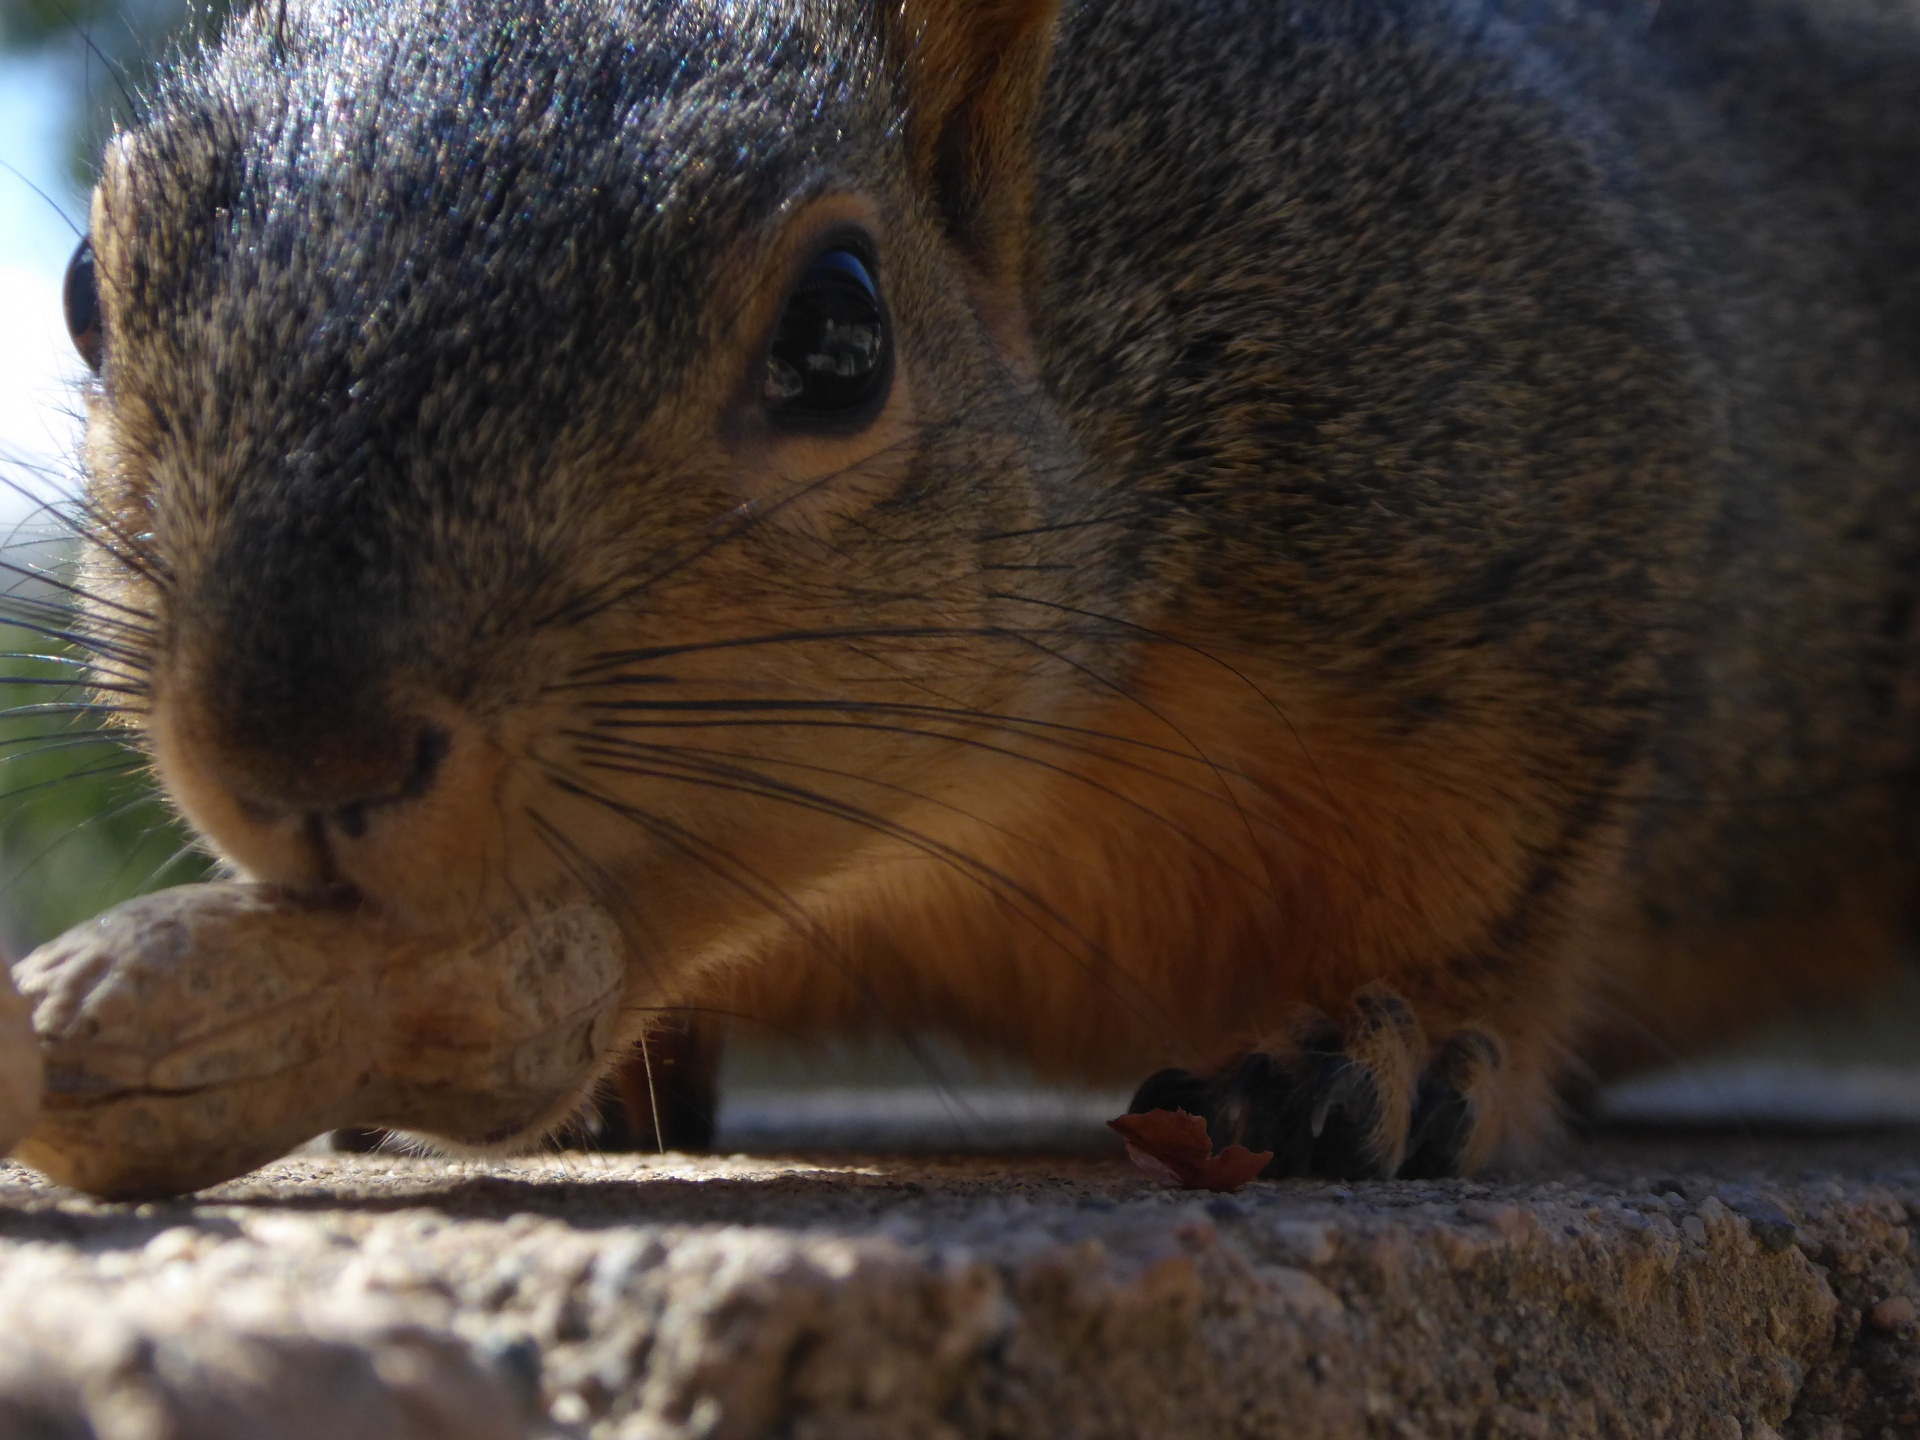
x=38, y=368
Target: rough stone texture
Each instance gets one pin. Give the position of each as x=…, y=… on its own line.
x=1628, y=1288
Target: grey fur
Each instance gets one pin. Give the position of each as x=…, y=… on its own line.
x=1547, y=370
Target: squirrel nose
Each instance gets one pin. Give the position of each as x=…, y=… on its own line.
x=349, y=817
x=337, y=784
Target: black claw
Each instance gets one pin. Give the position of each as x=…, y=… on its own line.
x=1344, y=1088
x=1443, y=1116
x=1316, y=1114
x=1318, y=1109
x=1272, y=1109
x=1347, y=1105
x=1442, y=1125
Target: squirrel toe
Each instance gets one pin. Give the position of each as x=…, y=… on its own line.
x=1365, y=1098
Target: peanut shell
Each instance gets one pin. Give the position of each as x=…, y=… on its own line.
x=192, y=1035
x=19, y=1065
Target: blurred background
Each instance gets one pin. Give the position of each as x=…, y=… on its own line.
x=81, y=829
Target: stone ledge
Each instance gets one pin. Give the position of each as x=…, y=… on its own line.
x=1771, y=1290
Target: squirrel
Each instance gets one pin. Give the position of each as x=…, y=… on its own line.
x=1351, y=562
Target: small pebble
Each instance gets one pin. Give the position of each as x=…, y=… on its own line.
x=1896, y=1312
x=515, y=1360
x=1771, y=1228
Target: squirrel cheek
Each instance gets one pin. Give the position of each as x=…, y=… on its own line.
x=425, y=850
x=265, y=848
x=806, y=481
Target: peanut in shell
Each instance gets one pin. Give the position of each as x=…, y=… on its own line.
x=19, y=1065
x=193, y=1035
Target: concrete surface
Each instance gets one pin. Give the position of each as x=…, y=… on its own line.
x=1631, y=1287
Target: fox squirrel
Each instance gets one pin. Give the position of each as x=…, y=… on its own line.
x=1362, y=550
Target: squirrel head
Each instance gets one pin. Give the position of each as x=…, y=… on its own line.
x=543, y=445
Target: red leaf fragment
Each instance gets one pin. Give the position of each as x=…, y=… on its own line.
x=1174, y=1148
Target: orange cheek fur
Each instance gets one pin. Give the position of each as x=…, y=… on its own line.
x=434, y=863
x=1150, y=906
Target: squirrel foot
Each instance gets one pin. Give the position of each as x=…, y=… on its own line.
x=1364, y=1098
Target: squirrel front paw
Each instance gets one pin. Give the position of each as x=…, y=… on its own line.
x=1367, y=1097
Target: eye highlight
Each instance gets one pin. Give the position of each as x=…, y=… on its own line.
x=80, y=300
x=831, y=359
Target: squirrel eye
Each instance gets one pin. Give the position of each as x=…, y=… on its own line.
x=81, y=301
x=831, y=358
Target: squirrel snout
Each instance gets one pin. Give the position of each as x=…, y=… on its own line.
x=340, y=785
x=338, y=767
x=378, y=800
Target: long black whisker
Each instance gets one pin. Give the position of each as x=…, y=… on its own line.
x=52, y=204
x=731, y=871
x=60, y=740
x=807, y=714
x=961, y=714
x=79, y=592
x=995, y=882
x=1232, y=795
x=136, y=803
x=67, y=836
x=45, y=659
x=625, y=745
x=1162, y=637
x=735, y=522
x=135, y=110
x=76, y=639
x=840, y=633
x=191, y=846
x=1055, y=528
x=73, y=707
x=121, y=767
x=599, y=884
x=63, y=707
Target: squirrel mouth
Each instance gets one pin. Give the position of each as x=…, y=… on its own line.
x=326, y=862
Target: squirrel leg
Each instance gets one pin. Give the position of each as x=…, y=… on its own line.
x=1366, y=1096
x=663, y=1098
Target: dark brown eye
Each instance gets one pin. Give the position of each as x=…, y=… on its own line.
x=831, y=357
x=81, y=300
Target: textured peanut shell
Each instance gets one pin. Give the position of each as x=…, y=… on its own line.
x=19, y=1065
x=195, y=1034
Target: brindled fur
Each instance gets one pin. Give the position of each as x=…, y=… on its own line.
x=1396, y=515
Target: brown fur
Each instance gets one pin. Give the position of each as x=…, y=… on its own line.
x=1385, y=576
x=1301, y=872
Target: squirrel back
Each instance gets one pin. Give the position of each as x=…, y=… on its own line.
x=1548, y=371
x=1363, y=550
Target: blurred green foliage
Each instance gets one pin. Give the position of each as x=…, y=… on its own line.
x=81, y=827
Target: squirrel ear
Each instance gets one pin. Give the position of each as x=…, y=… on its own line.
x=974, y=70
